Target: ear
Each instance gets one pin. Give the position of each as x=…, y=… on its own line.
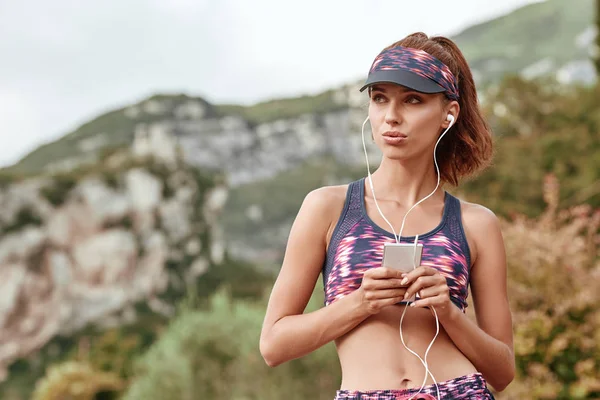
x=451, y=108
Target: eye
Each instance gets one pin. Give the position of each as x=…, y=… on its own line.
x=377, y=98
x=413, y=99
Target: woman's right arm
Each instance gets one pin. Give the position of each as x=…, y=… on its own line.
x=287, y=332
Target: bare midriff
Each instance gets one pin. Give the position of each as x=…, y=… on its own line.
x=372, y=356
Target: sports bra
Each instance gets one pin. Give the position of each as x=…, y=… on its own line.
x=357, y=245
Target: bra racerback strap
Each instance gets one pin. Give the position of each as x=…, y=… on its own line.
x=351, y=214
x=455, y=225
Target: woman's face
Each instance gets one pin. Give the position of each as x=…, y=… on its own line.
x=406, y=123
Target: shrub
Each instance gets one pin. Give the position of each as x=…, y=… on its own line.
x=213, y=354
x=77, y=381
x=56, y=193
x=26, y=216
x=554, y=288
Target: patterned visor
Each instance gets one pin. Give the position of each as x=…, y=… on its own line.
x=415, y=69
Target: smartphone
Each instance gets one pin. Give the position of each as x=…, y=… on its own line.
x=402, y=256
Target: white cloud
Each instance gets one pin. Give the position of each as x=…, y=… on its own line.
x=65, y=62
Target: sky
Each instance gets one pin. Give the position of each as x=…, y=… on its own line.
x=64, y=62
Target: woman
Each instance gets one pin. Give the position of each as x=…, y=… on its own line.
x=417, y=88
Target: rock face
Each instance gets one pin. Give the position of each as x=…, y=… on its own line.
x=82, y=253
x=247, y=153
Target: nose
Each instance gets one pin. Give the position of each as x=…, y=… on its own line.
x=392, y=115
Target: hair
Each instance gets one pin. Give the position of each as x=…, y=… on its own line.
x=467, y=148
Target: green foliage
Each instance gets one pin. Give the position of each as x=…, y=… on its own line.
x=541, y=127
x=125, y=222
x=554, y=288
x=272, y=110
x=213, y=354
x=113, y=351
x=26, y=216
x=504, y=45
x=116, y=350
x=58, y=189
x=279, y=198
x=77, y=381
x=8, y=177
x=242, y=278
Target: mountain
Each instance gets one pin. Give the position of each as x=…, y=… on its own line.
x=552, y=37
x=272, y=153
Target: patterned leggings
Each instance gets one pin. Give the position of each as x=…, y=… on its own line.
x=468, y=387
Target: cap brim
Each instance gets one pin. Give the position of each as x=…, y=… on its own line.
x=404, y=78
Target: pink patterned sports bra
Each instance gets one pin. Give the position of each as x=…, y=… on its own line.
x=357, y=245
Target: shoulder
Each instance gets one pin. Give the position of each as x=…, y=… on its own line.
x=481, y=226
x=478, y=217
x=326, y=197
x=324, y=207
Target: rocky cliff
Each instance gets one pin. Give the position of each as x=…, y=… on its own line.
x=85, y=247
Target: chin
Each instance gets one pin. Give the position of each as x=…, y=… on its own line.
x=396, y=154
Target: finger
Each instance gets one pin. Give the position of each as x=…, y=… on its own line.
x=385, y=294
x=388, y=302
x=389, y=283
x=434, y=301
x=368, y=283
x=420, y=283
x=417, y=272
x=433, y=291
x=376, y=305
x=383, y=273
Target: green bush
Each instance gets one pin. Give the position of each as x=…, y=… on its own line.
x=25, y=216
x=77, y=381
x=56, y=192
x=540, y=128
x=213, y=354
x=554, y=288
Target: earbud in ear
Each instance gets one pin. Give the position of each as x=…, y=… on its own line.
x=450, y=118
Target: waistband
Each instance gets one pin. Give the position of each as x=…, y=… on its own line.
x=472, y=386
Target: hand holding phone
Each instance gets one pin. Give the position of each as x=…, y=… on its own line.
x=402, y=256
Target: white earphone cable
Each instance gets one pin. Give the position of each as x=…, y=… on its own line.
x=399, y=237
x=371, y=182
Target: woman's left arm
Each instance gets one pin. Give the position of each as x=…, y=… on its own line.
x=488, y=344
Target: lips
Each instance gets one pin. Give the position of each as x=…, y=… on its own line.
x=394, y=138
x=394, y=134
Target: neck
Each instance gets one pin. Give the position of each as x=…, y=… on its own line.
x=406, y=182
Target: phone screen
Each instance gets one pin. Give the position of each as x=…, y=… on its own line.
x=402, y=256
